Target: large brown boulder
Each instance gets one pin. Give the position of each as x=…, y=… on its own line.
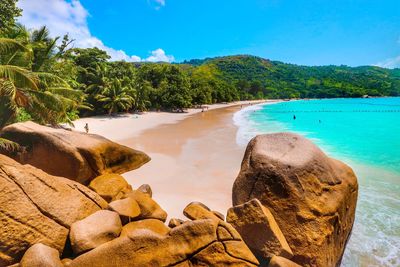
x=110, y=186
x=127, y=208
x=75, y=155
x=277, y=261
x=36, y=207
x=198, y=211
x=40, y=255
x=149, y=209
x=154, y=225
x=312, y=197
x=193, y=243
x=259, y=230
x=95, y=230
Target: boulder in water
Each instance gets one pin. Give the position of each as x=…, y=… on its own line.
x=311, y=196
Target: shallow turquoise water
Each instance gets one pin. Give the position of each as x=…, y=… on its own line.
x=364, y=133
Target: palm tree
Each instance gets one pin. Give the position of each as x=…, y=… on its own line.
x=45, y=96
x=116, y=97
x=43, y=48
x=141, y=95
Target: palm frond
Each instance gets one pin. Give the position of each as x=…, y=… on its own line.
x=51, y=101
x=67, y=92
x=8, y=146
x=21, y=77
x=7, y=88
x=50, y=80
x=10, y=46
x=40, y=35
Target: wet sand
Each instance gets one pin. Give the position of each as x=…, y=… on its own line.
x=195, y=159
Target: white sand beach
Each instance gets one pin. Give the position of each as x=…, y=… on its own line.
x=194, y=155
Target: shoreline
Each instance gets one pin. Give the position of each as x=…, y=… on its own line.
x=126, y=125
x=196, y=151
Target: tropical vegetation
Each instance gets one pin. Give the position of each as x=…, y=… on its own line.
x=44, y=79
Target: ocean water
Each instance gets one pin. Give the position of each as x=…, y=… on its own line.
x=364, y=133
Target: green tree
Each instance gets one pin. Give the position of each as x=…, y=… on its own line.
x=8, y=12
x=115, y=97
x=44, y=95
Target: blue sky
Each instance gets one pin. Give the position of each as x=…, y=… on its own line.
x=309, y=32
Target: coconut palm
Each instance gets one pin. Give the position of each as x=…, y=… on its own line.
x=116, y=97
x=45, y=96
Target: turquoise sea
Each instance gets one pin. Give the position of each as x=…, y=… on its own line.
x=364, y=133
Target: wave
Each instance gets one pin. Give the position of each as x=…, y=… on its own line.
x=247, y=127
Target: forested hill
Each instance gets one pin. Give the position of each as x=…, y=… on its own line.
x=274, y=79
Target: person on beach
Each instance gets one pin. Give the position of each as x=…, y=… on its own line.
x=87, y=128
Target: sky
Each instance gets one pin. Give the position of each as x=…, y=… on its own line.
x=305, y=32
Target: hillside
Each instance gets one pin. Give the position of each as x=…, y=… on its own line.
x=280, y=80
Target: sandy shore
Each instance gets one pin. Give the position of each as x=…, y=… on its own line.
x=194, y=155
x=125, y=126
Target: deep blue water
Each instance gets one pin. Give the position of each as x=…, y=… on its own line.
x=364, y=133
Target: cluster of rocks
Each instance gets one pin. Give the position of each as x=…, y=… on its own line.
x=293, y=206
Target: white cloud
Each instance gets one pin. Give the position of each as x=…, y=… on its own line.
x=159, y=55
x=62, y=16
x=390, y=63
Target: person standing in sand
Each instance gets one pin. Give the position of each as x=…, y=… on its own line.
x=87, y=128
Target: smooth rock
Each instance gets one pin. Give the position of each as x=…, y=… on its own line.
x=36, y=207
x=186, y=245
x=277, y=261
x=219, y=215
x=145, y=188
x=259, y=230
x=110, y=186
x=149, y=209
x=66, y=262
x=95, y=230
x=40, y=255
x=127, y=208
x=311, y=196
x=198, y=211
x=153, y=225
x=78, y=156
x=174, y=222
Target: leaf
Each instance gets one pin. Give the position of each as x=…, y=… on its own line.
x=21, y=77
